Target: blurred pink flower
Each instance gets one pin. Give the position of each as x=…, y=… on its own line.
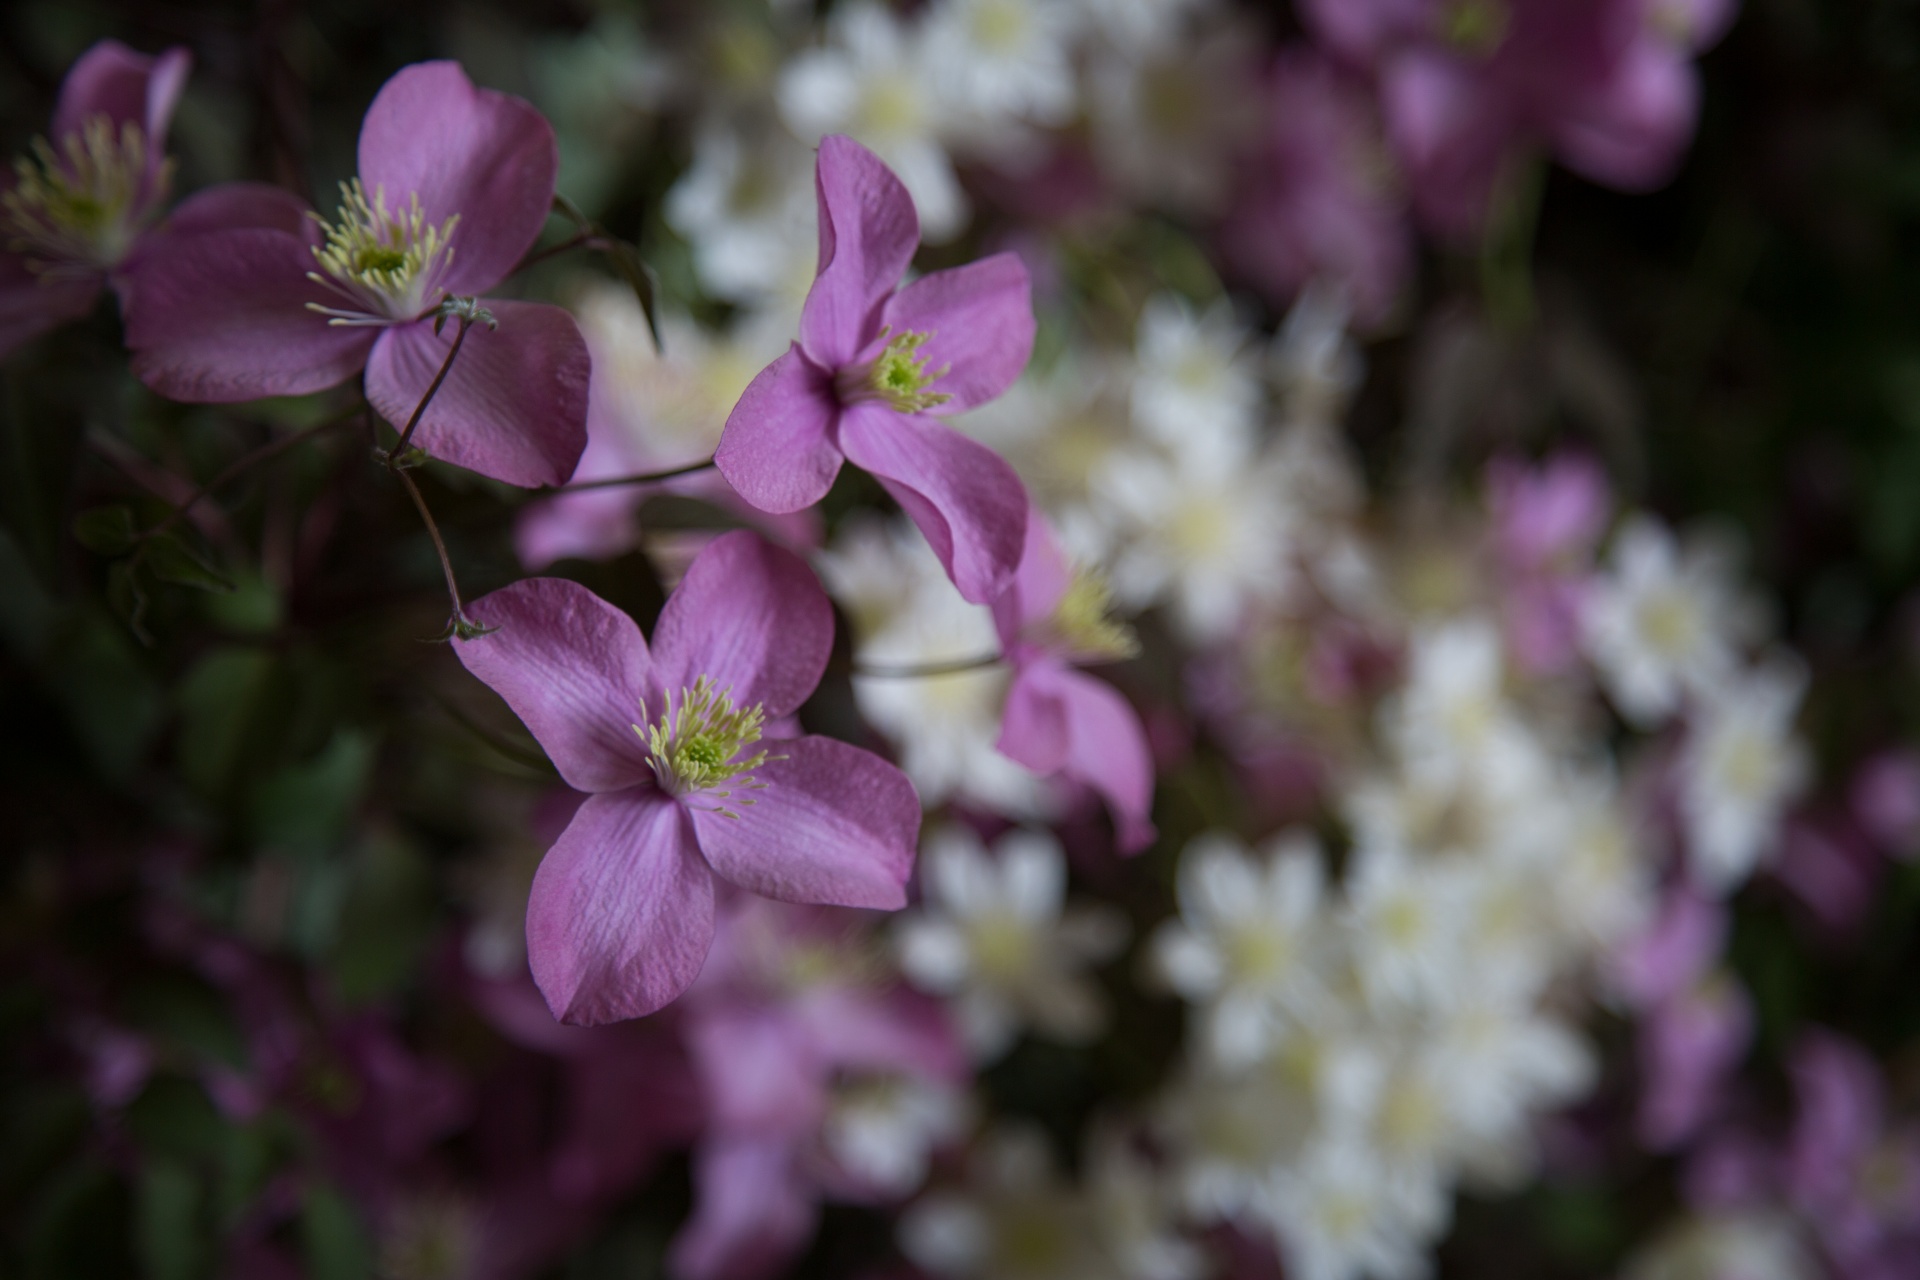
x=1856, y=1179
x=72, y=217
x=873, y=361
x=1886, y=801
x=666, y=744
x=1546, y=522
x=455, y=184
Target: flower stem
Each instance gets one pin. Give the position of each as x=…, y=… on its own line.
x=458, y=624
x=644, y=477
x=240, y=466
x=433, y=389
x=922, y=670
x=583, y=239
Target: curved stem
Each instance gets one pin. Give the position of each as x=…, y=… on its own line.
x=644, y=477
x=913, y=671
x=584, y=239
x=433, y=389
x=458, y=624
x=240, y=466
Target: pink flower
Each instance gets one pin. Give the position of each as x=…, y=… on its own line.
x=1856, y=1178
x=1546, y=521
x=1058, y=720
x=78, y=210
x=1885, y=800
x=874, y=361
x=1468, y=86
x=251, y=294
x=668, y=745
x=1319, y=202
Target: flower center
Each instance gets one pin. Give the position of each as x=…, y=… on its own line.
x=72, y=210
x=897, y=377
x=696, y=746
x=1083, y=621
x=386, y=264
x=1475, y=27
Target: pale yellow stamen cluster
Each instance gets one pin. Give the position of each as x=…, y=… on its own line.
x=696, y=746
x=897, y=377
x=1083, y=621
x=387, y=264
x=72, y=209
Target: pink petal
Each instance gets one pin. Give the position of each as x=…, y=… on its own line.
x=621, y=913
x=965, y=498
x=237, y=206
x=223, y=317
x=31, y=304
x=753, y=1212
x=751, y=617
x=776, y=450
x=757, y=1068
x=981, y=319
x=1106, y=744
x=1631, y=135
x=1033, y=726
x=868, y=232
x=482, y=155
x=573, y=668
x=829, y=824
x=112, y=80
x=514, y=406
x=1042, y=579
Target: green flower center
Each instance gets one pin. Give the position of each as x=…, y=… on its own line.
x=696, y=745
x=71, y=209
x=1475, y=27
x=898, y=377
x=387, y=264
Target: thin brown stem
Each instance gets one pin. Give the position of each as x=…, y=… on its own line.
x=458, y=624
x=922, y=670
x=584, y=240
x=644, y=477
x=240, y=466
x=433, y=389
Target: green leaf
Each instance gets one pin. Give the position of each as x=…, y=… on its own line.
x=639, y=277
x=172, y=560
x=106, y=531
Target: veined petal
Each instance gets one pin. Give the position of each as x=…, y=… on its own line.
x=829, y=823
x=1108, y=751
x=751, y=617
x=965, y=498
x=868, y=234
x=777, y=449
x=980, y=318
x=514, y=405
x=484, y=156
x=573, y=668
x=223, y=316
x=621, y=912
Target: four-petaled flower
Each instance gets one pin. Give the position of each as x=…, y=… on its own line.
x=78, y=210
x=256, y=295
x=683, y=786
x=873, y=362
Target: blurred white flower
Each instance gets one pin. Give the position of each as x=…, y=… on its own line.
x=1197, y=377
x=1338, y=1215
x=1452, y=720
x=1406, y=918
x=1739, y=768
x=1015, y=1219
x=1664, y=622
x=877, y=81
x=996, y=937
x=1243, y=946
x=746, y=205
x=1058, y=427
x=884, y=1129
x=1003, y=64
x=1315, y=367
x=1134, y=1213
x=1137, y=24
x=1750, y=1245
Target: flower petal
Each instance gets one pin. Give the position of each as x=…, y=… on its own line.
x=868, y=233
x=755, y=1210
x=513, y=407
x=1107, y=746
x=621, y=913
x=1033, y=727
x=777, y=449
x=830, y=824
x=750, y=616
x=240, y=206
x=981, y=319
x=1038, y=584
x=965, y=498
x=484, y=156
x=573, y=668
x=114, y=81
x=31, y=304
x=223, y=316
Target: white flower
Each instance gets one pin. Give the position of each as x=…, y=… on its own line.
x=1740, y=767
x=1452, y=720
x=1137, y=24
x=746, y=205
x=1496, y=1061
x=1749, y=1245
x=884, y=1129
x=1133, y=1214
x=1208, y=530
x=1406, y=919
x=876, y=81
x=1314, y=365
x=1599, y=884
x=1665, y=622
x=1002, y=63
x=993, y=936
x=1058, y=427
x=1197, y=377
x=1014, y=1221
x=1339, y=1216
x=1243, y=946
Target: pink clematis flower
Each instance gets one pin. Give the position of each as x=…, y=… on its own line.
x=77, y=210
x=668, y=744
x=253, y=294
x=1057, y=719
x=874, y=361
